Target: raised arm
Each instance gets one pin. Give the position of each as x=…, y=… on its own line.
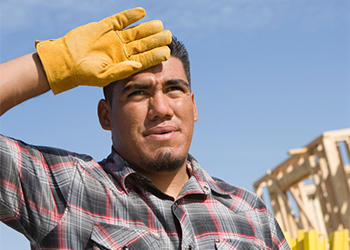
x=94, y=54
x=21, y=79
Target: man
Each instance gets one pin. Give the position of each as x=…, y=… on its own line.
x=149, y=193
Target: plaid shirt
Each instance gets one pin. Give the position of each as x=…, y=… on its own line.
x=61, y=200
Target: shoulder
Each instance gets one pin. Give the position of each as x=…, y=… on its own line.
x=52, y=154
x=57, y=155
x=244, y=198
x=49, y=161
x=236, y=198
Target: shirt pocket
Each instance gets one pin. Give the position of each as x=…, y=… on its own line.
x=226, y=244
x=108, y=236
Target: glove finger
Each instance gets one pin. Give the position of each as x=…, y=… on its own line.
x=125, y=18
x=152, y=57
x=148, y=43
x=99, y=73
x=140, y=31
x=121, y=70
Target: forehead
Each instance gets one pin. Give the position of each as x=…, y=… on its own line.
x=161, y=73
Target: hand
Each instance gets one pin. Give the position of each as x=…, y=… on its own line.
x=99, y=53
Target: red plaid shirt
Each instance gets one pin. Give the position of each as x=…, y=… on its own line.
x=61, y=200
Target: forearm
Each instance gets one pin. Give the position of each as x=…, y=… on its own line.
x=21, y=79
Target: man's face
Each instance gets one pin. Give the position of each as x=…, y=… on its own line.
x=152, y=116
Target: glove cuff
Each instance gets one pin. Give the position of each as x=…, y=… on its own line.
x=57, y=65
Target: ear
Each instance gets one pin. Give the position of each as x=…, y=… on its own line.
x=103, y=110
x=195, y=113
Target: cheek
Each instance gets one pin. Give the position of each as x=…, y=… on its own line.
x=129, y=120
x=185, y=111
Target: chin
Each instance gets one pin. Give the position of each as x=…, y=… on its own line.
x=166, y=161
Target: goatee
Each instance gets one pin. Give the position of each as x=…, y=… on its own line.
x=164, y=162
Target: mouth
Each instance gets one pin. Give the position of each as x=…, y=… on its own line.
x=161, y=133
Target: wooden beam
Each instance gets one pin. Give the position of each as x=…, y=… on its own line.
x=298, y=151
x=300, y=172
x=285, y=209
x=339, y=184
x=328, y=191
x=320, y=192
x=337, y=135
x=304, y=207
x=347, y=145
x=277, y=211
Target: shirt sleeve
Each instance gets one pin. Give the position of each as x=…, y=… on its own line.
x=31, y=199
x=271, y=228
x=277, y=235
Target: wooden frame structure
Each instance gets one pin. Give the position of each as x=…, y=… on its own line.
x=311, y=189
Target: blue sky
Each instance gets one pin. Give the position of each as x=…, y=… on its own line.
x=268, y=76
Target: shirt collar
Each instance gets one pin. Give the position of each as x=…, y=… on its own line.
x=207, y=183
x=120, y=170
x=200, y=181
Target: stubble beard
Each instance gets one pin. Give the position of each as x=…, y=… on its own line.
x=164, y=162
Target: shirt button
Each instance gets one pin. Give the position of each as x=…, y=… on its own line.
x=125, y=248
x=217, y=240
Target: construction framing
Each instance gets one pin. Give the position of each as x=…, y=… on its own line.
x=311, y=189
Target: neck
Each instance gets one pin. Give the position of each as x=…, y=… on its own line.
x=170, y=183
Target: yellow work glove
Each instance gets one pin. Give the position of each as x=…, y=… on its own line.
x=99, y=53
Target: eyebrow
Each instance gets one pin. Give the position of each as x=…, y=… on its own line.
x=178, y=82
x=141, y=86
x=136, y=86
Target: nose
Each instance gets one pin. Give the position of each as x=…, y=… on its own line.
x=159, y=107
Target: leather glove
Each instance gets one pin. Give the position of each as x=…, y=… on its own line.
x=99, y=53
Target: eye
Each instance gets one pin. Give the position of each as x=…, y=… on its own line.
x=137, y=93
x=175, y=88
